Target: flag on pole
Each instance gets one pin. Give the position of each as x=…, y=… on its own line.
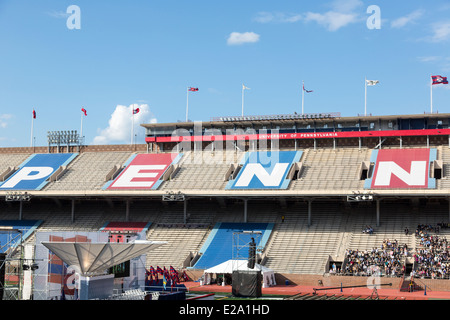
x=439, y=80
x=307, y=91
x=369, y=83
x=136, y=111
x=164, y=281
x=84, y=111
x=243, y=89
x=436, y=80
x=187, y=100
x=372, y=82
x=303, y=96
x=32, y=125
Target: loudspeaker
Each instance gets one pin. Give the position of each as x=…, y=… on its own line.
x=2, y=273
x=251, y=254
x=246, y=283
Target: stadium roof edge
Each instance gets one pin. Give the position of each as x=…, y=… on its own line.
x=284, y=120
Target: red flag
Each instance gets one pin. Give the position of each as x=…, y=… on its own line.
x=193, y=89
x=135, y=111
x=34, y=114
x=84, y=111
x=439, y=80
x=307, y=91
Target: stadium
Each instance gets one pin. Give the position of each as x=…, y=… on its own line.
x=313, y=203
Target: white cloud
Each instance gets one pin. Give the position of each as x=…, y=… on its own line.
x=429, y=58
x=410, y=18
x=342, y=13
x=266, y=17
x=58, y=14
x=4, y=120
x=119, y=124
x=332, y=20
x=438, y=62
x=346, y=5
x=237, y=38
x=441, y=32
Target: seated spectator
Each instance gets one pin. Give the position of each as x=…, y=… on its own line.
x=387, y=260
x=432, y=257
x=368, y=230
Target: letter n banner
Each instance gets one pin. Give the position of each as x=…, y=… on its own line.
x=401, y=169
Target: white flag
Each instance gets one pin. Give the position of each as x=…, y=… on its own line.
x=372, y=82
x=244, y=87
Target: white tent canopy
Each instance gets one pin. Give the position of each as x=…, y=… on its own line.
x=241, y=265
x=92, y=258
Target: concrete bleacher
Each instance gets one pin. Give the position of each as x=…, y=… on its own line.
x=331, y=169
x=444, y=155
x=202, y=170
x=182, y=241
x=13, y=160
x=298, y=247
x=322, y=169
x=294, y=245
x=89, y=170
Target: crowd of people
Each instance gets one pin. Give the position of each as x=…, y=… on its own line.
x=432, y=256
x=384, y=260
x=423, y=229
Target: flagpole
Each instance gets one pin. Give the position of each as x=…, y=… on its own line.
x=187, y=103
x=81, y=130
x=132, y=123
x=242, y=99
x=431, y=93
x=32, y=123
x=303, y=96
x=365, y=96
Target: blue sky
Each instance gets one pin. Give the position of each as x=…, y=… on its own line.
x=144, y=54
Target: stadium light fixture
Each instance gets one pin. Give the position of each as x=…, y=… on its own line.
x=360, y=196
x=17, y=196
x=172, y=196
x=64, y=137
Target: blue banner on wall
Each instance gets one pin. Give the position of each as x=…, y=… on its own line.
x=34, y=172
x=265, y=170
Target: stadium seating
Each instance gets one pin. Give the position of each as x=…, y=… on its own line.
x=299, y=248
x=444, y=155
x=89, y=170
x=226, y=241
x=293, y=246
x=328, y=169
x=203, y=170
x=11, y=160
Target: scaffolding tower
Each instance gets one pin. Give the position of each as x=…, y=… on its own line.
x=242, y=242
x=11, y=248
